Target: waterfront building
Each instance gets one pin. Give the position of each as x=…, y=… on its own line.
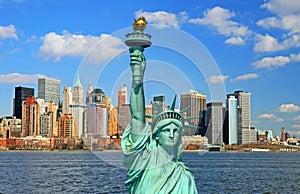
x=52, y=112
x=67, y=100
x=21, y=93
x=97, y=113
x=231, y=121
x=97, y=120
x=122, y=95
x=215, y=119
x=88, y=92
x=124, y=117
x=67, y=126
x=148, y=111
x=197, y=102
x=49, y=90
x=42, y=104
x=244, y=120
x=79, y=113
x=10, y=127
x=78, y=92
x=113, y=124
x=283, y=135
x=45, y=124
x=158, y=105
x=30, y=118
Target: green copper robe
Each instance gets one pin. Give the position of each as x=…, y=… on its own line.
x=152, y=170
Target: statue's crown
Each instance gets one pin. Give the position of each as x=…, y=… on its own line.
x=169, y=114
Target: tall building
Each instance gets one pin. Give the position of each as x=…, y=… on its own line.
x=52, y=112
x=30, y=118
x=122, y=95
x=21, y=93
x=113, y=124
x=79, y=113
x=158, y=105
x=244, y=119
x=78, y=92
x=215, y=119
x=124, y=117
x=97, y=120
x=45, y=124
x=88, y=93
x=67, y=100
x=49, y=89
x=97, y=113
x=67, y=126
x=231, y=127
x=198, y=103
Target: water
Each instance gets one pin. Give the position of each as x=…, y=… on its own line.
x=102, y=172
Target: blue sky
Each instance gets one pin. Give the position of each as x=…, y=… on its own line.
x=210, y=46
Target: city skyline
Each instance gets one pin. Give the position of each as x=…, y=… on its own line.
x=254, y=44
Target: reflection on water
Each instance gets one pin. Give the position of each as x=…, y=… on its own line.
x=103, y=172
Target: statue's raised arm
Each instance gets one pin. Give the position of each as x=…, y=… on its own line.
x=137, y=98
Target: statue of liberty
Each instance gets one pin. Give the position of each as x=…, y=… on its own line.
x=152, y=152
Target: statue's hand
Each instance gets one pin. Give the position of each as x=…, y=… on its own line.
x=137, y=65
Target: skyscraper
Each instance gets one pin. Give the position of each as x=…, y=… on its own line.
x=231, y=127
x=158, y=105
x=78, y=92
x=198, y=103
x=244, y=120
x=52, y=112
x=67, y=126
x=49, y=89
x=30, y=118
x=122, y=95
x=97, y=113
x=67, y=100
x=215, y=119
x=21, y=93
x=79, y=113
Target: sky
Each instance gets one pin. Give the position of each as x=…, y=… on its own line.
x=210, y=46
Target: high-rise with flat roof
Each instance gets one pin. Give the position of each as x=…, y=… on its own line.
x=231, y=127
x=30, y=118
x=215, y=119
x=198, y=103
x=244, y=119
x=21, y=93
x=49, y=90
x=122, y=95
x=67, y=100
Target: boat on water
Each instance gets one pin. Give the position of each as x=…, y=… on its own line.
x=258, y=150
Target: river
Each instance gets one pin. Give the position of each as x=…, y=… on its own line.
x=103, y=172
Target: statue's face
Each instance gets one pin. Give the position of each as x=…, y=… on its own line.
x=170, y=135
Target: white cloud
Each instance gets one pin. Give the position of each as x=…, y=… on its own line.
x=271, y=117
x=56, y=46
x=162, y=19
x=220, y=19
x=245, y=77
x=296, y=126
x=267, y=116
x=287, y=108
x=282, y=7
x=297, y=118
x=269, y=62
x=20, y=78
x=217, y=79
x=288, y=23
x=235, y=40
x=295, y=57
x=8, y=32
x=267, y=43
